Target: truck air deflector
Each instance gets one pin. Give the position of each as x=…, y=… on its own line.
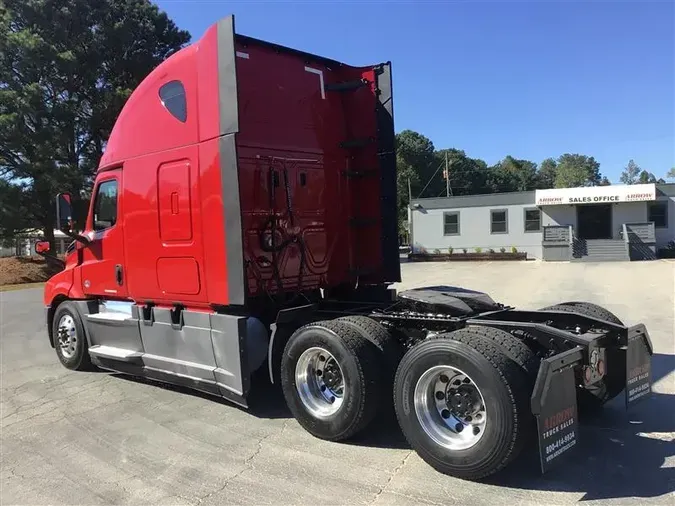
x=229, y=169
x=227, y=77
x=386, y=152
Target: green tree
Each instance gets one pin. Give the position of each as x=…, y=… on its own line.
x=604, y=181
x=511, y=175
x=576, y=170
x=66, y=69
x=648, y=177
x=671, y=173
x=546, y=174
x=415, y=152
x=15, y=206
x=468, y=176
x=631, y=173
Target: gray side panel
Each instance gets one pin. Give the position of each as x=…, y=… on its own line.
x=117, y=333
x=228, y=335
x=229, y=175
x=122, y=334
x=186, y=351
x=86, y=307
x=227, y=77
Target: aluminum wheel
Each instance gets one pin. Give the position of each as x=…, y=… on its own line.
x=320, y=382
x=450, y=407
x=67, y=336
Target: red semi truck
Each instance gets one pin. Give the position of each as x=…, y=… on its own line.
x=244, y=218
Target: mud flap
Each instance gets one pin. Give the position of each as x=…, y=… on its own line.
x=554, y=404
x=638, y=365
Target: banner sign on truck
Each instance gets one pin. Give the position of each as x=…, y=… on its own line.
x=596, y=194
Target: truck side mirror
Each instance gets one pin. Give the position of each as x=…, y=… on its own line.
x=64, y=212
x=42, y=247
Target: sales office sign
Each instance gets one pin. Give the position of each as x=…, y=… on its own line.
x=596, y=194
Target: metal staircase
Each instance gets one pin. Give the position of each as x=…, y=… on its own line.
x=599, y=250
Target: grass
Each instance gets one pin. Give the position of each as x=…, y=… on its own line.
x=20, y=286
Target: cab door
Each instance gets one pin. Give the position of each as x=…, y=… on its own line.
x=103, y=258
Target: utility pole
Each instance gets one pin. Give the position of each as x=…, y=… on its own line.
x=447, y=176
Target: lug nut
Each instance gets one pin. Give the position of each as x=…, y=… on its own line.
x=323, y=388
x=445, y=414
x=457, y=382
x=332, y=399
x=459, y=427
x=319, y=372
x=476, y=430
x=467, y=380
x=469, y=419
x=443, y=378
x=322, y=358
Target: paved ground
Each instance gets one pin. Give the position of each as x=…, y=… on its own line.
x=90, y=438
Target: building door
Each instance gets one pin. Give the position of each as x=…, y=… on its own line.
x=594, y=221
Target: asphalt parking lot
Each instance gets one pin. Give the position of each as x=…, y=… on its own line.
x=99, y=438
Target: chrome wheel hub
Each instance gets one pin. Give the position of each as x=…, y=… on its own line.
x=450, y=407
x=319, y=382
x=67, y=336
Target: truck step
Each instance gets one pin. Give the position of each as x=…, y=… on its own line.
x=356, y=143
x=115, y=353
x=347, y=85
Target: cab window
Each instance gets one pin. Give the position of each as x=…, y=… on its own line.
x=105, y=208
x=172, y=95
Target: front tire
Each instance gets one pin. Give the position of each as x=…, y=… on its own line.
x=462, y=404
x=331, y=380
x=70, y=340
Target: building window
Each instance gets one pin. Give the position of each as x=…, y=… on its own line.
x=450, y=223
x=532, y=220
x=105, y=209
x=172, y=95
x=498, y=222
x=658, y=213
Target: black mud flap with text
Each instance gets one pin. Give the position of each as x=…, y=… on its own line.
x=554, y=404
x=638, y=365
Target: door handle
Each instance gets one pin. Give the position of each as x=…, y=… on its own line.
x=118, y=274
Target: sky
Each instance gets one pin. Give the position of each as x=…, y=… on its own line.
x=531, y=79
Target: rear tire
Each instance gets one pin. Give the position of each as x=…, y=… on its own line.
x=514, y=348
x=389, y=350
x=431, y=425
x=70, y=341
x=595, y=397
x=331, y=379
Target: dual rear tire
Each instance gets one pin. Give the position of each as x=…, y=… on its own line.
x=461, y=398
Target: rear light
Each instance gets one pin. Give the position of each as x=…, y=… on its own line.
x=601, y=367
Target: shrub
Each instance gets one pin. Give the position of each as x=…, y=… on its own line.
x=464, y=250
x=502, y=250
x=437, y=251
x=514, y=249
x=450, y=250
x=491, y=251
x=478, y=250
